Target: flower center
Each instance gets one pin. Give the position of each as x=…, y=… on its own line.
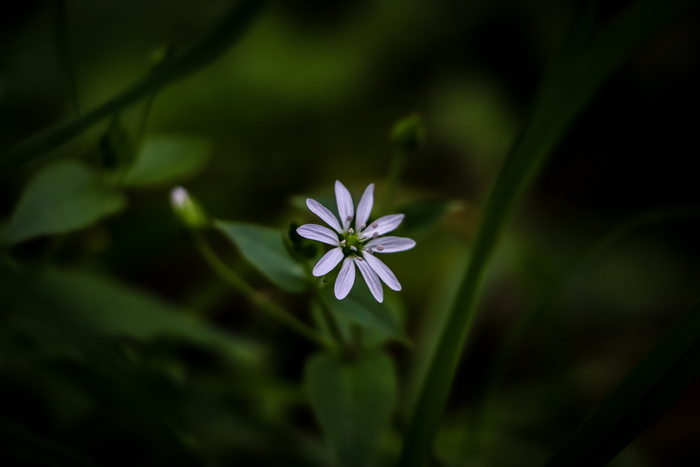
x=351, y=243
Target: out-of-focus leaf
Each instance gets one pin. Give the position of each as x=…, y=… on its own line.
x=116, y=146
x=361, y=308
x=639, y=400
x=264, y=248
x=564, y=93
x=353, y=402
x=168, y=159
x=63, y=197
x=60, y=305
x=423, y=216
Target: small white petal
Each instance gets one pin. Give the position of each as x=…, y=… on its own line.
x=345, y=207
x=364, y=208
x=371, y=278
x=384, y=224
x=318, y=233
x=324, y=213
x=346, y=279
x=328, y=262
x=383, y=272
x=392, y=244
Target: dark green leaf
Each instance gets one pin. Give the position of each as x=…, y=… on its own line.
x=353, y=402
x=361, y=308
x=86, y=305
x=423, y=216
x=564, y=93
x=264, y=248
x=63, y=197
x=168, y=159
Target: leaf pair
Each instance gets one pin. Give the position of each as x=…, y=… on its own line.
x=67, y=196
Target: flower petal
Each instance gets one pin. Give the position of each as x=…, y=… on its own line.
x=319, y=233
x=383, y=225
x=365, y=207
x=345, y=207
x=328, y=262
x=346, y=279
x=324, y=213
x=371, y=278
x=383, y=272
x=391, y=244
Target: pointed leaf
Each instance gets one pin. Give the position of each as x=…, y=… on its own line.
x=63, y=197
x=353, y=402
x=264, y=248
x=168, y=159
x=361, y=308
x=60, y=305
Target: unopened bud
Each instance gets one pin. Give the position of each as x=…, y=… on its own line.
x=186, y=209
x=409, y=133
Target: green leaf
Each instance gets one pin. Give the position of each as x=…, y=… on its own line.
x=61, y=306
x=564, y=93
x=353, y=402
x=639, y=400
x=361, y=308
x=264, y=248
x=168, y=159
x=423, y=216
x=63, y=197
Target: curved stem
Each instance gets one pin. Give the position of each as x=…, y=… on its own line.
x=196, y=57
x=258, y=299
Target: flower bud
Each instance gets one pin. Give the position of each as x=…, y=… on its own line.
x=186, y=209
x=408, y=133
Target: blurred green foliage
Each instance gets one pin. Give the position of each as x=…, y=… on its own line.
x=118, y=346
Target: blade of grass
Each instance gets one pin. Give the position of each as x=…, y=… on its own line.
x=564, y=93
x=207, y=49
x=640, y=399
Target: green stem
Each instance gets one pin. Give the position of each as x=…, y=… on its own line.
x=210, y=47
x=564, y=93
x=258, y=299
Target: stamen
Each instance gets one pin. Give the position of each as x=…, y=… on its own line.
x=369, y=250
x=350, y=230
x=362, y=226
x=374, y=225
x=349, y=218
x=359, y=259
x=343, y=243
x=353, y=248
x=375, y=235
x=380, y=247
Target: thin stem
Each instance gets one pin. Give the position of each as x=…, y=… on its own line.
x=258, y=299
x=331, y=323
x=191, y=60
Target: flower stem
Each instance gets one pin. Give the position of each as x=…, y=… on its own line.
x=200, y=54
x=258, y=299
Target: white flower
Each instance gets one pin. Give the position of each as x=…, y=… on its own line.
x=355, y=246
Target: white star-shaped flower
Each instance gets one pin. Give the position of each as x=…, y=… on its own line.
x=355, y=246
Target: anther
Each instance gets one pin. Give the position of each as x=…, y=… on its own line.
x=343, y=243
x=380, y=247
x=350, y=230
x=360, y=259
x=369, y=250
x=375, y=235
x=374, y=225
x=362, y=226
x=349, y=218
x=353, y=248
